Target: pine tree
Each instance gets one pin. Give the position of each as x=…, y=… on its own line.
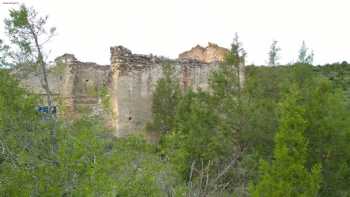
x=274, y=53
x=28, y=33
x=304, y=56
x=287, y=175
x=4, y=55
x=236, y=57
x=165, y=98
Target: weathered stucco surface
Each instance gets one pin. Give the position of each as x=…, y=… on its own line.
x=121, y=93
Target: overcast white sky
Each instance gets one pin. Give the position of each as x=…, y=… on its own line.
x=87, y=28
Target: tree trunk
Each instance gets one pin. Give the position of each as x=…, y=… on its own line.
x=52, y=118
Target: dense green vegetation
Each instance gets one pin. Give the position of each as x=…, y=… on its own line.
x=89, y=161
x=285, y=132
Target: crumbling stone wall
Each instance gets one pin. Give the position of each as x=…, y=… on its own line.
x=134, y=78
x=209, y=54
x=121, y=93
x=76, y=86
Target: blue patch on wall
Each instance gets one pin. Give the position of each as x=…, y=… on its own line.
x=45, y=109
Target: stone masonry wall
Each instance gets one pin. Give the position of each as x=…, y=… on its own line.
x=76, y=86
x=121, y=93
x=134, y=78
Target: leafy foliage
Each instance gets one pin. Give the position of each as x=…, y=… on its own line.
x=4, y=55
x=287, y=175
x=166, y=96
x=89, y=162
x=28, y=32
x=213, y=129
x=286, y=131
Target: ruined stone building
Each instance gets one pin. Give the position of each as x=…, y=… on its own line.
x=121, y=93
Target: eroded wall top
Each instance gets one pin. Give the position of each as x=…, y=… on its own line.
x=134, y=78
x=121, y=93
x=209, y=54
